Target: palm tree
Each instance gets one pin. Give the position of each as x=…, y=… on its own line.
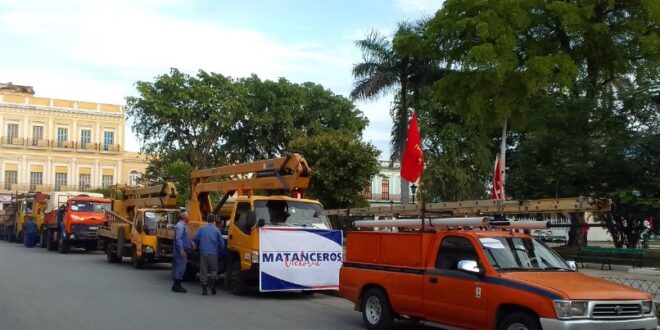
x=386, y=68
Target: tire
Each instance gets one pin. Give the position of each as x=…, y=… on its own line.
x=20, y=239
x=110, y=256
x=376, y=311
x=235, y=282
x=520, y=321
x=51, y=245
x=138, y=262
x=62, y=245
x=43, y=239
x=190, y=272
x=121, y=240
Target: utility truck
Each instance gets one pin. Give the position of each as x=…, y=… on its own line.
x=72, y=219
x=130, y=228
x=470, y=271
x=276, y=239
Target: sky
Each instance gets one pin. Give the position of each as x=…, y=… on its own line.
x=96, y=50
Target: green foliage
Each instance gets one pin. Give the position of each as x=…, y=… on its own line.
x=105, y=191
x=342, y=167
x=192, y=122
x=278, y=112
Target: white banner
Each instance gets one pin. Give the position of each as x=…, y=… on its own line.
x=299, y=259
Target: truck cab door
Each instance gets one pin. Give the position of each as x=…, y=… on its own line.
x=453, y=296
x=239, y=235
x=137, y=229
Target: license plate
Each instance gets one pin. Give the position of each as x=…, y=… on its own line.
x=93, y=227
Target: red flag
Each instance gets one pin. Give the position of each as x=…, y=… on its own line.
x=412, y=162
x=498, y=189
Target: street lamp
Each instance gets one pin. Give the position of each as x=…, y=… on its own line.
x=413, y=189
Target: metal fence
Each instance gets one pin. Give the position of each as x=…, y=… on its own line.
x=652, y=287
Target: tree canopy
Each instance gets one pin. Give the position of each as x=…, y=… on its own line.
x=187, y=122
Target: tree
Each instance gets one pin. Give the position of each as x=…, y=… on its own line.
x=280, y=111
x=184, y=117
x=573, y=79
x=342, y=166
x=389, y=65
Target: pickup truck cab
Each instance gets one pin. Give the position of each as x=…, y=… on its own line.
x=481, y=280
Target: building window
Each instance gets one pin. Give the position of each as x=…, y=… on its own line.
x=106, y=181
x=36, y=178
x=60, y=180
x=108, y=139
x=133, y=178
x=85, y=138
x=12, y=132
x=385, y=189
x=85, y=181
x=37, y=134
x=11, y=177
x=62, y=136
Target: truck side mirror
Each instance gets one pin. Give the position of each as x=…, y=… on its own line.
x=138, y=226
x=572, y=265
x=470, y=266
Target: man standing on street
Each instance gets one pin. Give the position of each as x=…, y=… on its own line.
x=30, y=231
x=181, y=245
x=211, y=247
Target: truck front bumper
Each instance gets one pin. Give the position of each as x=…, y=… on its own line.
x=646, y=323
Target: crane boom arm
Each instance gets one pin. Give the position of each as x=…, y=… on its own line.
x=285, y=173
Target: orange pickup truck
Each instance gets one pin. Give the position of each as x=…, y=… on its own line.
x=481, y=280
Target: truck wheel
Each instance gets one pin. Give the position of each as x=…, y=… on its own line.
x=19, y=238
x=376, y=311
x=235, y=281
x=121, y=240
x=520, y=321
x=138, y=262
x=43, y=239
x=110, y=256
x=51, y=244
x=63, y=245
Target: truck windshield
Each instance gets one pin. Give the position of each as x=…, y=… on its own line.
x=159, y=219
x=90, y=207
x=521, y=254
x=290, y=213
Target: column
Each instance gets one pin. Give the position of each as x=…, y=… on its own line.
x=96, y=174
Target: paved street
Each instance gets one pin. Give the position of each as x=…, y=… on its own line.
x=46, y=290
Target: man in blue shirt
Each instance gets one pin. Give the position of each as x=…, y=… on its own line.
x=211, y=248
x=30, y=231
x=181, y=245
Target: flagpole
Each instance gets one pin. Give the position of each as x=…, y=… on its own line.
x=503, y=155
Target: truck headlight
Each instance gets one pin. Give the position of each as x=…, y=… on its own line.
x=647, y=307
x=255, y=257
x=72, y=236
x=148, y=249
x=568, y=309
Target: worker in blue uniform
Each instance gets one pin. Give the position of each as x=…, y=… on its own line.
x=211, y=248
x=30, y=230
x=181, y=245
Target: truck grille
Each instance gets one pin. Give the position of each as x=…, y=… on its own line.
x=84, y=231
x=614, y=310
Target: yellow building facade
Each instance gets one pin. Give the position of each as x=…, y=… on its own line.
x=53, y=144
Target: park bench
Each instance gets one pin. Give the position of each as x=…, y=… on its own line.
x=607, y=256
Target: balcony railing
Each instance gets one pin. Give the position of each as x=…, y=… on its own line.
x=110, y=147
x=13, y=141
x=19, y=142
x=87, y=146
x=24, y=187
x=38, y=143
x=64, y=144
